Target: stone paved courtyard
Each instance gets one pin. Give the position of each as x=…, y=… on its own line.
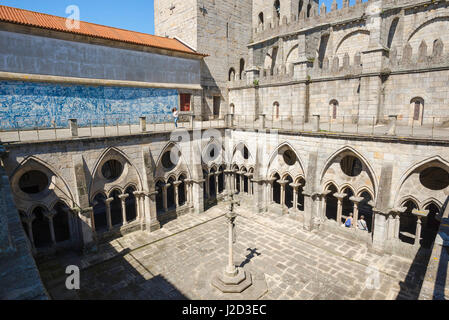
x=178, y=261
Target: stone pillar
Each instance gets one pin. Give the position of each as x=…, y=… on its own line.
x=107, y=202
x=198, y=201
x=50, y=215
x=73, y=126
x=122, y=198
x=397, y=226
x=316, y=122
x=142, y=206
x=242, y=182
x=283, y=183
x=419, y=214
x=187, y=183
x=295, y=187
x=356, y=201
x=191, y=120
x=324, y=203
x=270, y=190
x=151, y=221
x=143, y=124
x=137, y=196
x=380, y=228
x=340, y=197
x=393, y=122
x=216, y=183
x=29, y=222
x=164, y=196
x=176, y=184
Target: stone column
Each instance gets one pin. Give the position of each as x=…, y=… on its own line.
x=187, y=183
x=270, y=190
x=380, y=230
x=164, y=196
x=419, y=214
x=151, y=221
x=29, y=222
x=50, y=215
x=107, y=202
x=142, y=206
x=356, y=201
x=397, y=226
x=137, y=196
x=176, y=184
x=283, y=183
x=197, y=195
x=242, y=184
x=295, y=187
x=228, y=177
x=122, y=198
x=340, y=197
x=216, y=184
x=324, y=203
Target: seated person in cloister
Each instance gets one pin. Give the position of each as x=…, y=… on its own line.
x=348, y=221
x=361, y=224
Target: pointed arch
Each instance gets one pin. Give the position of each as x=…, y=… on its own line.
x=130, y=173
x=290, y=146
x=57, y=186
x=349, y=149
x=168, y=146
x=411, y=183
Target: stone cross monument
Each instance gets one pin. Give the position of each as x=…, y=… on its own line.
x=232, y=279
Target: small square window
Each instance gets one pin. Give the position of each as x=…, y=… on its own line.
x=185, y=101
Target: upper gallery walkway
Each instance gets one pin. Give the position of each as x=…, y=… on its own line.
x=426, y=128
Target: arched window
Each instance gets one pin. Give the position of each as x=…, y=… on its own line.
x=242, y=68
x=407, y=225
x=276, y=110
x=261, y=18
x=309, y=10
x=333, y=108
x=231, y=76
x=131, y=204
x=232, y=108
x=277, y=9
x=392, y=32
x=301, y=3
x=417, y=109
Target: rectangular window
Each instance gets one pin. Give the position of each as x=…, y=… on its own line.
x=216, y=110
x=185, y=101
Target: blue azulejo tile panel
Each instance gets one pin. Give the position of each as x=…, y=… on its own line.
x=28, y=104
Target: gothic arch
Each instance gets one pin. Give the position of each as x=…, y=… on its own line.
x=182, y=164
x=285, y=145
x=129, y=172
x=359, y=181
x=57, y=188
x=410, y=183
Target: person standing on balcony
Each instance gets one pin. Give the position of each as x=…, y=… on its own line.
x=176, y=116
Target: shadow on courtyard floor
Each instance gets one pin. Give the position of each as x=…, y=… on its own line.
x=119, y=278
x=411, y=287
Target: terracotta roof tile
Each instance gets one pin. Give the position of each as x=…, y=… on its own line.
x=46, y=21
